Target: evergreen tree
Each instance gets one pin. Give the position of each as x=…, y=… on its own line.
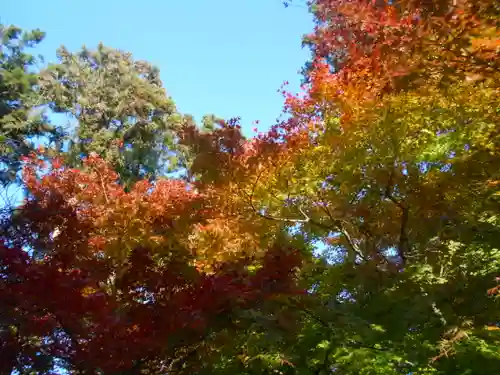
x=123, y=112
x=21, y=113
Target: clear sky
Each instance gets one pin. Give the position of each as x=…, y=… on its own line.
x=226, y=57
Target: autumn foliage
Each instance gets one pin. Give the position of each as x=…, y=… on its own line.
x=389, y=161
x=360, y=235
x=112, y=281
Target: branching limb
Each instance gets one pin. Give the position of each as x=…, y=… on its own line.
x=305, y=218
x=339, y=226
x=403, y=238
x=104, y=190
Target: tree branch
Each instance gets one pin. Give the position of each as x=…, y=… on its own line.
x=102, y=185
x=403, y=238
x=337, y=224
x=305, y=219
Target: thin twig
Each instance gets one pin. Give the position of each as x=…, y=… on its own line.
x=103, y=186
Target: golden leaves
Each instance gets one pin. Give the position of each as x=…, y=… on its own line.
x=221, y=240
x=169, y=217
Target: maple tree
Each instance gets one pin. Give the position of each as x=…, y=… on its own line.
x=126, y=287
x=389, y=164
x=383, y=178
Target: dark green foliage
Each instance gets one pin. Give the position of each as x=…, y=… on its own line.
x=123, y=112
x=21, y=112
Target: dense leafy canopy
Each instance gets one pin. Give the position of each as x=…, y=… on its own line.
x=122, y=111
x=361, y=235
x=124, y=273
x=21, y=116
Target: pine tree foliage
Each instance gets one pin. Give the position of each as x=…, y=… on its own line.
x=121, y=109
x=21, y=112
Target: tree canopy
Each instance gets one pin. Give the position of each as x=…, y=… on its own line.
x=360, y=235
x=122, y=110
x=21, y=112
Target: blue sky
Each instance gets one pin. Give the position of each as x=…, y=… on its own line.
x=226, y=57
